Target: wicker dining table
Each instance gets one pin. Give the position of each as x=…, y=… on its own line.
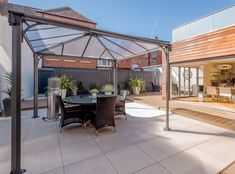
x=85, y=100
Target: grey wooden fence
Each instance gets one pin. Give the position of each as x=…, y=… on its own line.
x=98, y=76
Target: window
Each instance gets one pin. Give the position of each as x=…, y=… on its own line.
x=135, y=66
x=154, y=54
x=147, y=55
x=104, y=63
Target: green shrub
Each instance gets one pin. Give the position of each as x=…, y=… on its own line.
x=139, y=83
x=93, y=86
x=80, y=86
x=67, y=82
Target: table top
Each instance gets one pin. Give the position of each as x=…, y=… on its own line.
x=83, y=99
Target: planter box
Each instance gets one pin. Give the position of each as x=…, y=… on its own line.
x=136, y=90
x=108, y=93
x=7, y=107
x=94, y=95
x=63, y=93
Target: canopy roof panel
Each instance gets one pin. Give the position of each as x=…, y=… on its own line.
x=47, y=36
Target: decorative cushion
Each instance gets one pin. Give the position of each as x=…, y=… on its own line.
x=119, y=104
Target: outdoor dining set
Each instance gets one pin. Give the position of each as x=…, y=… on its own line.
x=85, y=108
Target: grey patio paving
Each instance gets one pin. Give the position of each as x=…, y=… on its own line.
x=140, y=146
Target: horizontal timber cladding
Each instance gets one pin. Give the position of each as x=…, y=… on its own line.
x=97, y=76
x=215, y=44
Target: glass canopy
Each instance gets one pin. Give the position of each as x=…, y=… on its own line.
x=47, y=39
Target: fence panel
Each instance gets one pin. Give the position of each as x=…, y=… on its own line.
x=98, y=76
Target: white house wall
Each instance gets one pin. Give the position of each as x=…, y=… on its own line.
x=27, y=71
x=5, y=52
x=5, y=60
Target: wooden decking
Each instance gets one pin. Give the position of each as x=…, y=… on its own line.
x=228, y=123
x=218, y=114
x=28, y=104
x=230, y=169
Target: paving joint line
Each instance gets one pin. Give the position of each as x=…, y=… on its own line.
x=106, y=156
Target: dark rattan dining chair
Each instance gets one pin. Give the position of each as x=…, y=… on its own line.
x=69, y=114
x=104, y=114
x=120, y=106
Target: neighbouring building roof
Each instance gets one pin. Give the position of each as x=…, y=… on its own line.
x=66, y=12
x=4, y=7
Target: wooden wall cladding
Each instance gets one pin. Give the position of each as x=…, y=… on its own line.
x=215, y=44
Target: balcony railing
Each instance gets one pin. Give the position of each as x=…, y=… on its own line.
x=215, y=21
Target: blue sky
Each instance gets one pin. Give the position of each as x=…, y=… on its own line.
x=147, y=18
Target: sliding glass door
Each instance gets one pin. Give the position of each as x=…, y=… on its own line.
x=185, y=81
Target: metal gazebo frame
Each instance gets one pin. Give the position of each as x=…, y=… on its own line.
x=16, y=20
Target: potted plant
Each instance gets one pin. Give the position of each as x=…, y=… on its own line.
x=7, y=101
x=108, y=89
x=94, y=92
x=75, y=89
x=142, y=85
x=66, y=83
x=135, y=86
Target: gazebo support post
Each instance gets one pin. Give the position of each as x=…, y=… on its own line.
x=35, y=84
x=17, y=28
x=115, y=79
x=168, y=76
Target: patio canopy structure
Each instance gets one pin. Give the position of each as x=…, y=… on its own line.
x=52, y=37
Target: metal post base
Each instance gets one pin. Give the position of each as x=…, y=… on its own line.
x=35, y=116
x=49, y=119
x=167, y=129
x=18, y=172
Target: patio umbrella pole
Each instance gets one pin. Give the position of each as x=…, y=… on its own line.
x=16, y=23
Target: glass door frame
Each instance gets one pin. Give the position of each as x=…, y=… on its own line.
x=187, y=92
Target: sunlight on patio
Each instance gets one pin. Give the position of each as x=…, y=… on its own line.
x=143, y=111
x=139, y=146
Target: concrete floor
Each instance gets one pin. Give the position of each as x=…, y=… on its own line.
x=140, y=146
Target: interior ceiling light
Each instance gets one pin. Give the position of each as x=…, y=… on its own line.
x=224, y=66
